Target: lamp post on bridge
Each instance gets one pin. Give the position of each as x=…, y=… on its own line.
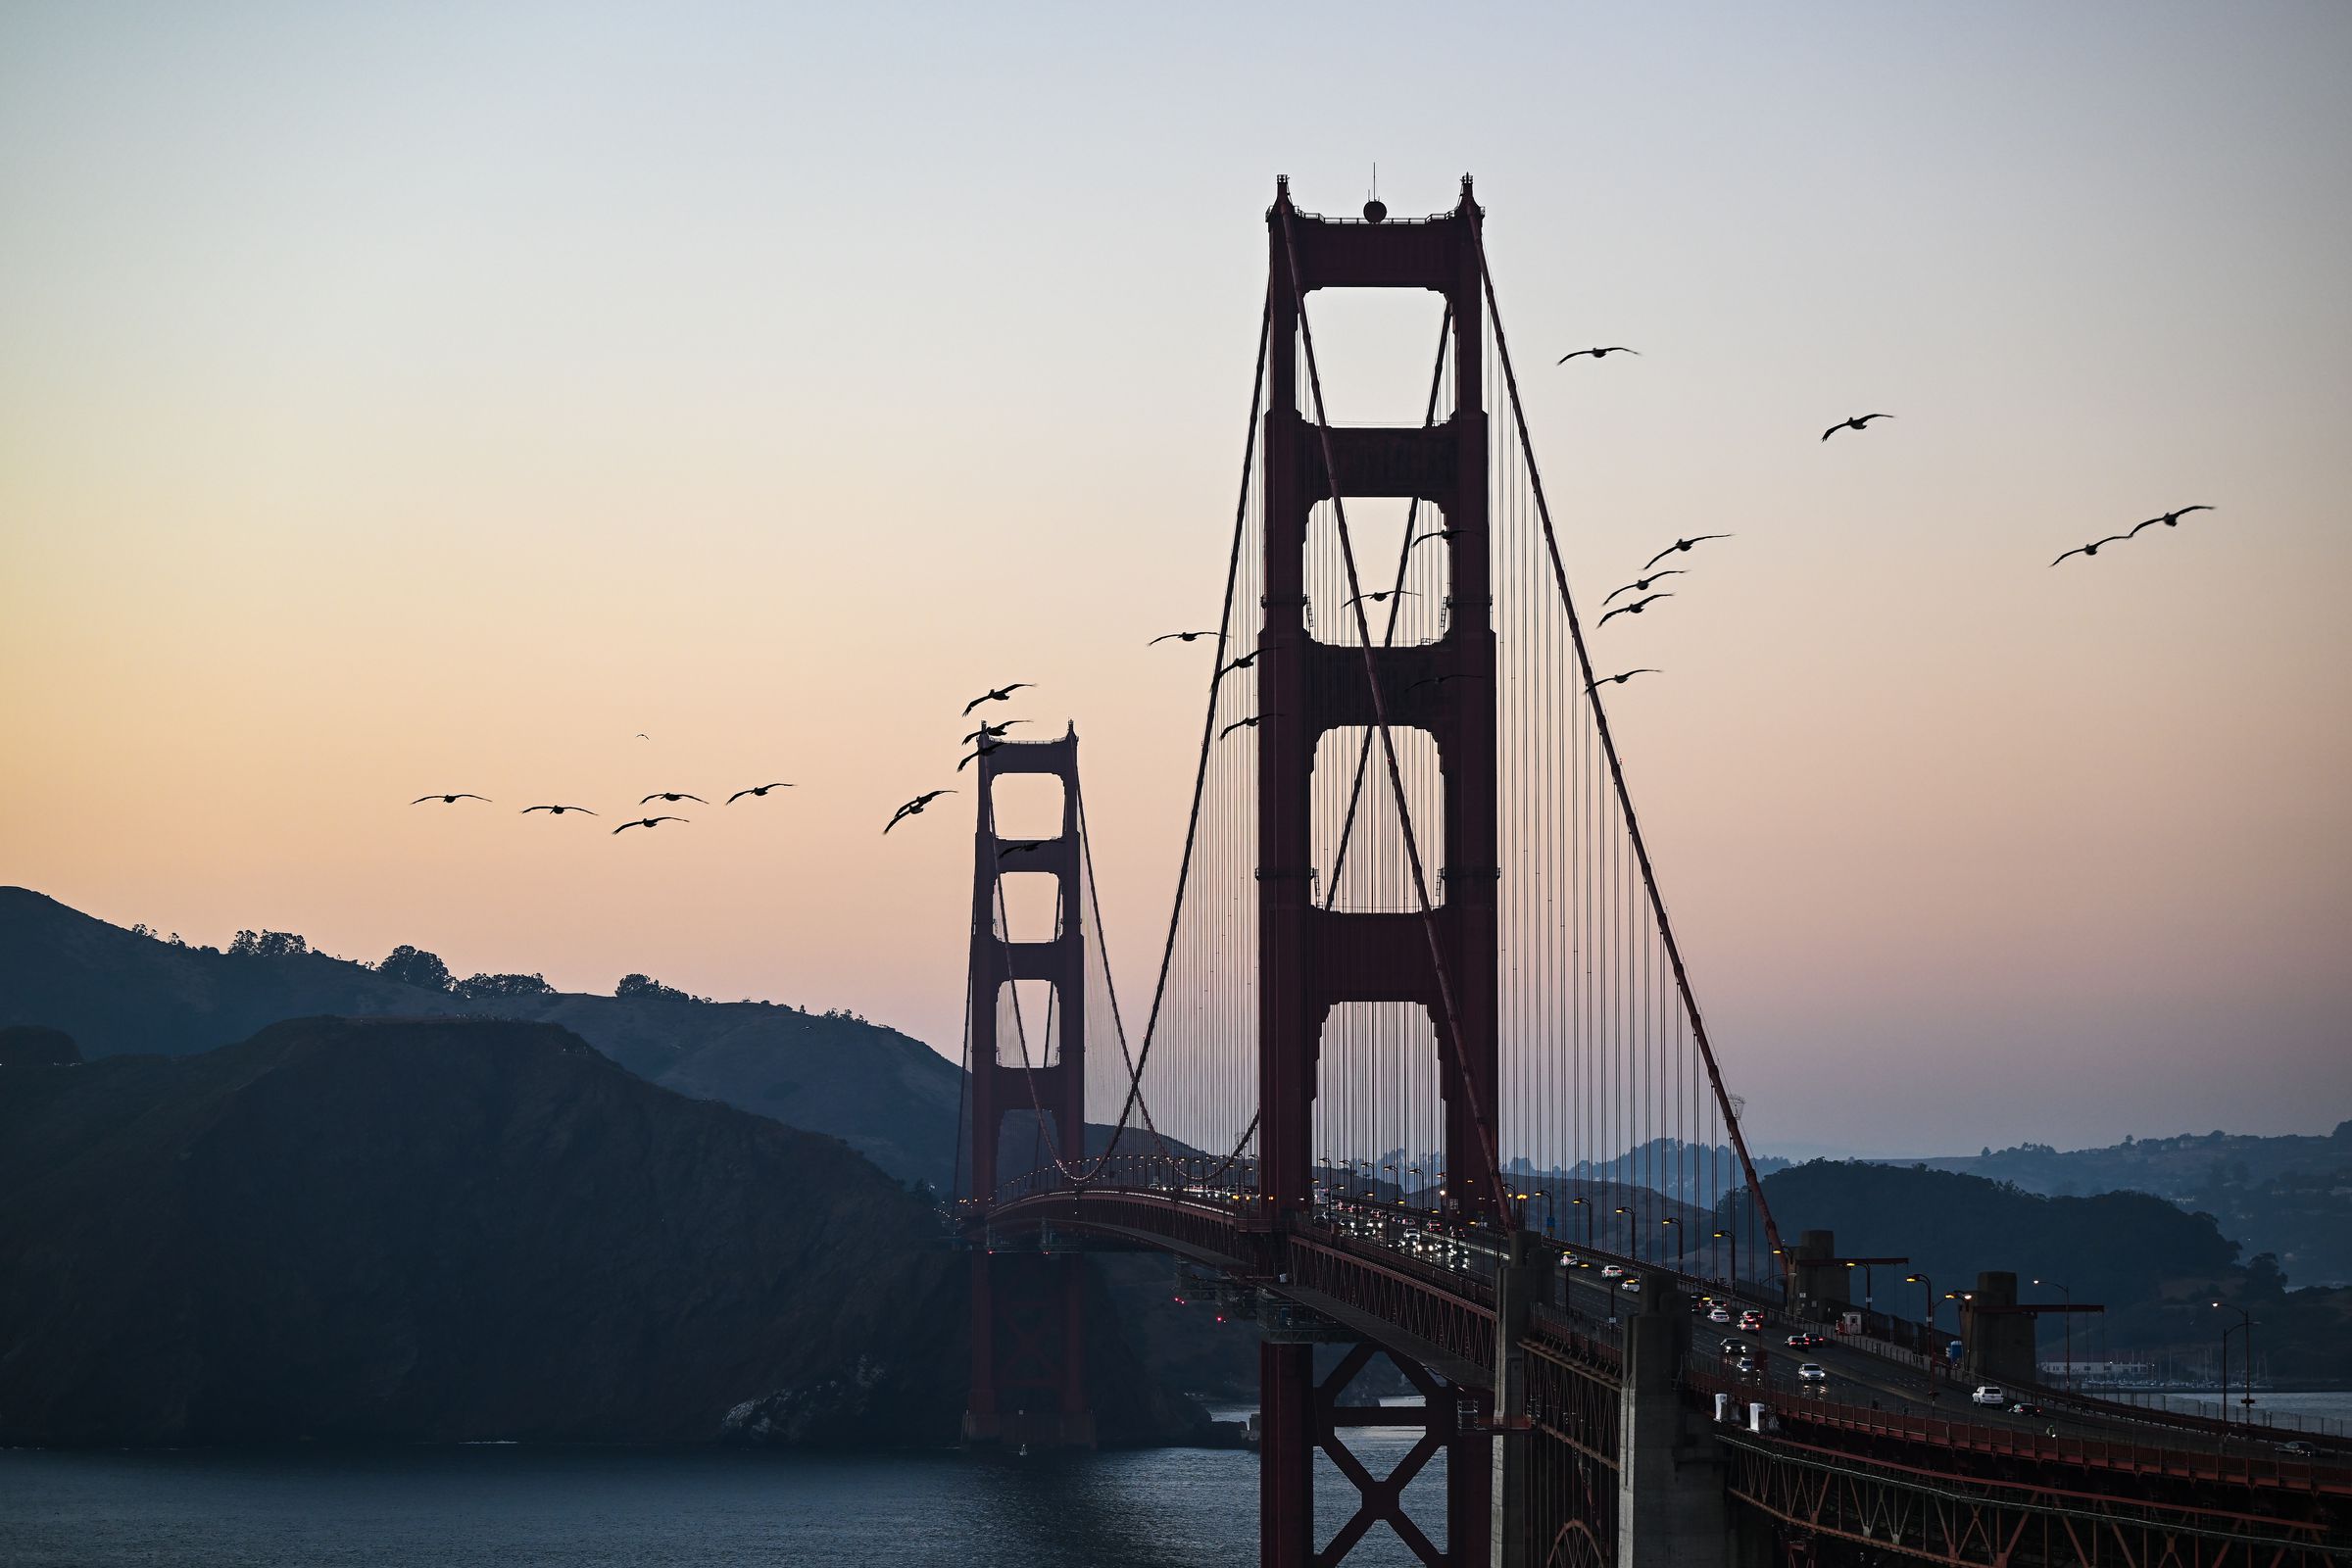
x=1927, y=1288
x=2245, y=1320
x=1633, y=1237
x=1579, y=1203
x=1733, y=1238
x=1663, y=1240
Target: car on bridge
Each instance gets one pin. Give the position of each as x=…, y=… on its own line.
x=1612, y=1271
x=1752, y=1319
x=1718, y=1315
x=1812, y=1372
x=1988, y=1394
x=1805, y=1341
x=1735, y=1348
x=1631, y=1283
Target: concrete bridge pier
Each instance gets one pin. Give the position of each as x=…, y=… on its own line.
x=1671, y=1511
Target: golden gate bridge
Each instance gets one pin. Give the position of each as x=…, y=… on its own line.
x=1423, y=1075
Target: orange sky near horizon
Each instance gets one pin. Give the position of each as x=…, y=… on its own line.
x=407, y=403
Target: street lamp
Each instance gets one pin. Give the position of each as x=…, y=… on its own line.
x=2245, y=1320
x=1662, y=1243
x=1633, y=1236
x=2069, y=1294
x=1588, y=1208
x=1733, y=1238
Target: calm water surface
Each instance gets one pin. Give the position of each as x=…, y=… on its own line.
x=522, y=1507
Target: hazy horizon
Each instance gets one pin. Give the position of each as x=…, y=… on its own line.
x=435, y=401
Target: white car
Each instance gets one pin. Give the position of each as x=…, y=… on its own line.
x=1612, y=1271
x=1812, y=1372
x=1634, y=1285
x=1719, y=1315
x=1988, y=1394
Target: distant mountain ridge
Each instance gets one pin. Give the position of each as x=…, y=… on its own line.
x=445, y=1230
x=118, y=992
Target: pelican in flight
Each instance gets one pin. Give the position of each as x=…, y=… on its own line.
x=1440, y=681
x=1022, y=848
x=1621, y=679
x=1180, y=636
x=650, y=822
x=757, y=790
x=673, y=797
x=915, y=807
x=1682, y=546
x=1600, y=354
x=1245, y=724
x=1858, y=421
x=449, y=799
x=1441, y=533
x=990, y=732
x=1002, y=694
x=1634, y=609
x=559, y=810
x=1384, y=595
x=978, y=752
x=2171, y=519
x=1642, y=585
x=2093, y=549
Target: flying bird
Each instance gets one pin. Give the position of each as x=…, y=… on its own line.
x=672, y=797
x=1642, y=585
x=1854, y=423
x=1243, y=663
x=989, y=732
x=449, y=799
x=1440, y=681
x=559, y=810
x=650, y=822
x=1621, y=679
x=1180, y=636
x=915, y=807
x=1600, y=354
x=1022, y=848
x=2171, y=519
x=1002, y=694
x=1384, y=595
x=1682, y=546
x=760, y=789
x=978, y=752
x=1634, y=609
x=1245, y=724
x=643, y=736
x=1441, y=533
x=2093, y=549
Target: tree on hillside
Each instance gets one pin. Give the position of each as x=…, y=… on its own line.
x=414, y=966
x=644, y=987
x=483, y=987
x=268, y=945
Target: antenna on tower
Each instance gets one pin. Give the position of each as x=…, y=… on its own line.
x=1374, y=212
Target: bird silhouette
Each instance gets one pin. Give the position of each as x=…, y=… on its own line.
x=1855, y=424
x=2171, y=519
x=1682, y=546
x=978, y=752
x=650, y=822
x=1621, y=679
x=989, y=732
x=1600, y=354
x=1384, y=595
x=643, y=736
x=913, y=808
x=760, y=789
x=449, y=799
x=1022, y=848
x=2094, y=547
x=672, y=797
x=1245, y=724
x=1243, y=663
x=1002, y=694
x=559, y=810
x=1441, y=533
x=1180, y=636
x=1634, y=609
x=1642, y=585
x=1440, y=681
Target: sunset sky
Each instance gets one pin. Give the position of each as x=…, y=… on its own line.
x=417, y=398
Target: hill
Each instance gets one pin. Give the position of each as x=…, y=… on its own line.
x=2289, y=1195
x=453, y=1230
x=120, y=991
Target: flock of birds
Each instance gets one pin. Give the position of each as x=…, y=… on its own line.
x=990, y=736
x=666, y=797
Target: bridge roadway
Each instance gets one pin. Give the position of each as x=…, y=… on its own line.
x=1886, y=1453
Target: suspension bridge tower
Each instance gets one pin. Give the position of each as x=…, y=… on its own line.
x=1028, y=1088
x=1443, y=957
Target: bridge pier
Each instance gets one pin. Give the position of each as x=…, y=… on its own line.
x=1670, y=1472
